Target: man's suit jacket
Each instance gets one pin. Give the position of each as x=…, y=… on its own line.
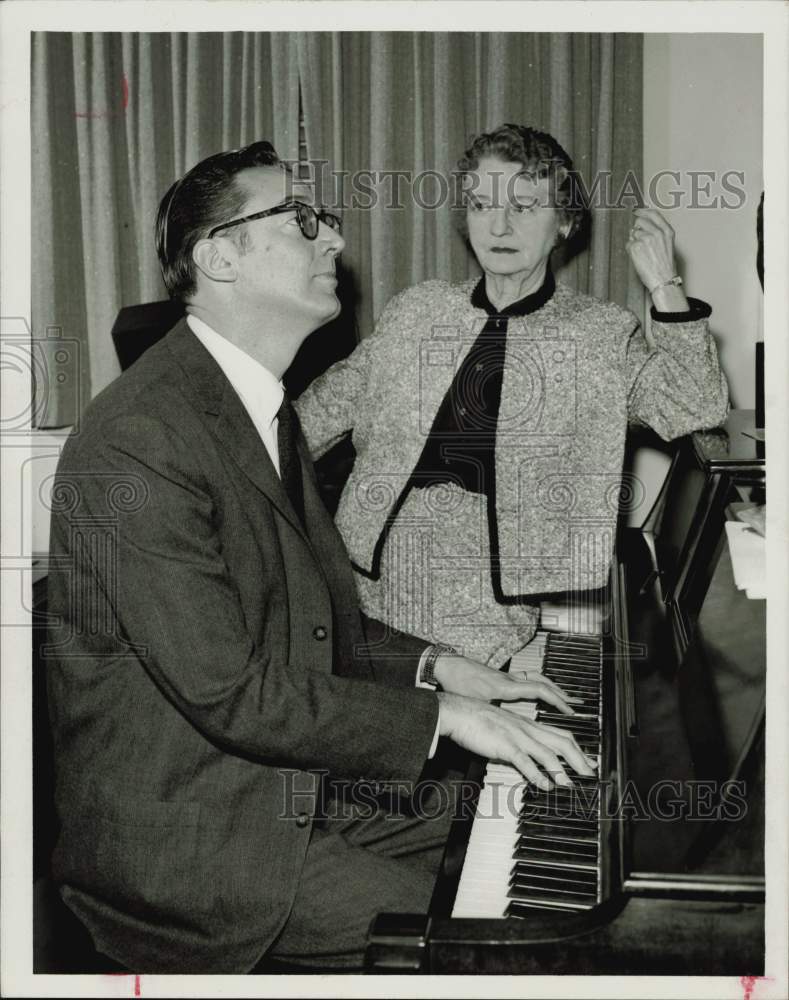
x=206, y=657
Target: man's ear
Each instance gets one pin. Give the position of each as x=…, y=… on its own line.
x=215, y=262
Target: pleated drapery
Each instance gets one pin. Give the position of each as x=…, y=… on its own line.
x=117, y=117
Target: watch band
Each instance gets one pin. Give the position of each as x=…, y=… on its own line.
x=676, y=280
x=427, y=671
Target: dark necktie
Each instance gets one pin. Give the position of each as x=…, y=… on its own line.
x=289, y=465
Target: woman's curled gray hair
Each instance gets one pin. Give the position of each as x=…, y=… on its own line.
x=540, y=155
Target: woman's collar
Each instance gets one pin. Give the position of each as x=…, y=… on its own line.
x=528, y=304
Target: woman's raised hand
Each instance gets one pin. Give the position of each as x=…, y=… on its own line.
x=651, y=248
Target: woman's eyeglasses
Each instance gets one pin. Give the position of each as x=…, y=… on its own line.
x=309, y=219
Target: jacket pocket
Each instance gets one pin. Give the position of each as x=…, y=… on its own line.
x=138, y=855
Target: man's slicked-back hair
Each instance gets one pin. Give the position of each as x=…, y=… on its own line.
x=203, y=198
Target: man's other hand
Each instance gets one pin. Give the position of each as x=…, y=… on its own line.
x=458, y=675
x=496, y=734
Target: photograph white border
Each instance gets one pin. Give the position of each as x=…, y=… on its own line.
x=17, y=20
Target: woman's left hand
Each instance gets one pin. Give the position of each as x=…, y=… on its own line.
x=651, y=248
x=458, y=675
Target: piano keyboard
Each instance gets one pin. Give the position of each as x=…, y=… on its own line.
x=531, y=849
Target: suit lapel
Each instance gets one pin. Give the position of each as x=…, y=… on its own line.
x=208, y=386
x=206, y=383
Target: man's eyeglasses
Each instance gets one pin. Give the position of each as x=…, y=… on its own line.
x=309, y=219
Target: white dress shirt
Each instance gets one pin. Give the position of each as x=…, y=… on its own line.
x=259, y=390
x=261, y=393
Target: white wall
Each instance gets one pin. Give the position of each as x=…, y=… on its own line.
x=703, y=112
x=45, y=448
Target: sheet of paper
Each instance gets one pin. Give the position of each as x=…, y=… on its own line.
x=748, y=559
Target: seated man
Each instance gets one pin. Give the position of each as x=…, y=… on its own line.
x=210, y=674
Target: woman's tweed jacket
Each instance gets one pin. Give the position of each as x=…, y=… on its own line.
x=576, y=372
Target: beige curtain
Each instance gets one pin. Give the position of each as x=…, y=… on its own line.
x=386, y=102
x=116, y=117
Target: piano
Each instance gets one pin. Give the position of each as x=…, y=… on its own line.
x=655, y=866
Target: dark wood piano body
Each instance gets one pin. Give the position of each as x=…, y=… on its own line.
x=684, y=671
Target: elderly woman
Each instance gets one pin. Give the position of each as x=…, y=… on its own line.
x=489, y=417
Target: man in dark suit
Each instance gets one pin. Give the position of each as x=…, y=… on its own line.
x=211, y=679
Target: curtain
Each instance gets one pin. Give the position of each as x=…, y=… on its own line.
x=117, y=117
x=410, y=102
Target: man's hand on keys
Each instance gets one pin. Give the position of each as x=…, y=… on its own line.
x=496, y=734
x=458, y=675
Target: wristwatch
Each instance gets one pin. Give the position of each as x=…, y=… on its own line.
x=676, y=280
x=427, y=668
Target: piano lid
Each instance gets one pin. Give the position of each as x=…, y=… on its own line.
x=695, y=769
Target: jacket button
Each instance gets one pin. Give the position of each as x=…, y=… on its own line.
x=302, y=820
x=319, y=633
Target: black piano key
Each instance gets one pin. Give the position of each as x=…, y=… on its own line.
x=554, y=672
x=577, y=688
x=571, y=643
x=583, y=707
x=589, y=741
x=517, y=910
x=524, y=905
x=582, y=807
x=585, y=723
x=525, y=888
x=565, y=681
x=585, y=879
x=589, y=667
x=555, y=852
x=590, y=723
x=561, y=811
x=573, y=690
x=554, y=862
x=582, y=804
x=579, y=692
x=577, y=848
x=574, y=638
x=583, y=793
x=587, y=823
x=564, y=721
x=575, y=825
x=585, y=728
x=575, y=657
x=565, y=834
x=571, y=682
x=558, y=672
x=528, y=815
x=579, y=732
